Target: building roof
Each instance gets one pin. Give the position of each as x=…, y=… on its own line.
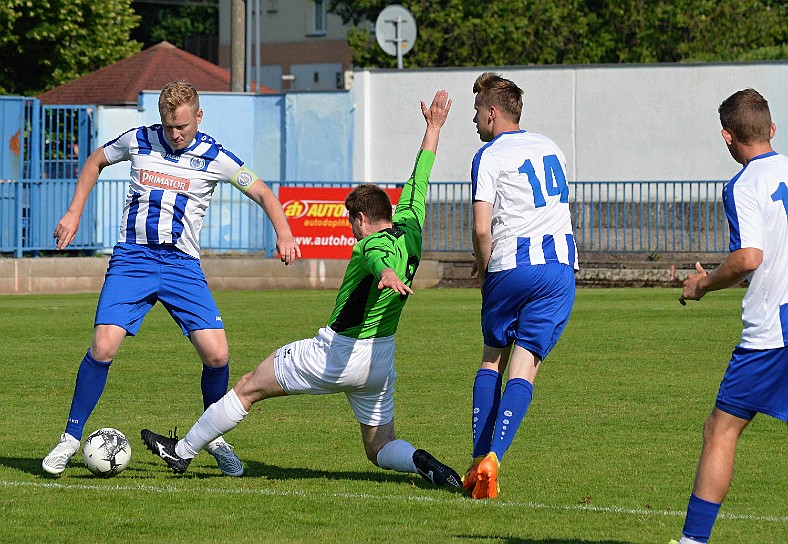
x=119, y=84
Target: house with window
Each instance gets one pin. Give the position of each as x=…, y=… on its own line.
x=291, y=45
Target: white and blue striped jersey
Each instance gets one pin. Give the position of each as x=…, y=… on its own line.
x=523, y=175
x=170, y=189
x=756, y=204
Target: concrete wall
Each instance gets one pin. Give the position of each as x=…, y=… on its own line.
x=86, y=274
x=614, y=123
x=622, y=122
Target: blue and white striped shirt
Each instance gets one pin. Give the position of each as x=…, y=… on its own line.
x=523, y=175
x=756, y=205
x=170, y=189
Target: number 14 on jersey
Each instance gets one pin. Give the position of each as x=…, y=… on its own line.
x=554, y=180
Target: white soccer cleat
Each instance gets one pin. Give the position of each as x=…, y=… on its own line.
x=228, y=462
x=57, y=460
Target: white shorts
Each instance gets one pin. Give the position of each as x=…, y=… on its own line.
x=332, y=363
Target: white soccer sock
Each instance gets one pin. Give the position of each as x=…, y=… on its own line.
x=220, y=417
x=397, y=455
x=688, y=540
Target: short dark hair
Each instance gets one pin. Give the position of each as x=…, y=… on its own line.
x=176, y=94
x=493, y=90
x=370, y=199
x=745, y=114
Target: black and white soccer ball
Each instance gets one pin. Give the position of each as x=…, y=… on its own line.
x=106, y=452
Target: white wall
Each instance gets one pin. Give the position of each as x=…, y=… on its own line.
x=627, y=122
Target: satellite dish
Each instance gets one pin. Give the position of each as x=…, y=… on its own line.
x=395, y=30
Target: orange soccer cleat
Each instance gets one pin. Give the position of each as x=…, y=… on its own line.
x=487, y=486
x=469, y=480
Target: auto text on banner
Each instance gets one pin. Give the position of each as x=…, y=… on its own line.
x=318, y=220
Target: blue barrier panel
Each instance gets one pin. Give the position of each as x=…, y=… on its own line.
x=12, y=116
x=69, y=140
x=8, y=228
x=29, y=211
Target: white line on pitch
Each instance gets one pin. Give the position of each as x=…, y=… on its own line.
x=407, y=498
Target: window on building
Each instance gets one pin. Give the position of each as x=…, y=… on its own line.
x=319, y=17
x=273, y=6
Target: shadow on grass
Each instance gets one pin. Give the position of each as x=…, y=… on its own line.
x=76, y=469
x=515, y=540
x=256, y=469
x=24, y=464
x=150, y=466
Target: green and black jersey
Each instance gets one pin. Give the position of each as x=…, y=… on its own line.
x=362, y=310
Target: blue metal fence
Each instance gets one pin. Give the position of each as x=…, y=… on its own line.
x=649, y=216
x=609, y=217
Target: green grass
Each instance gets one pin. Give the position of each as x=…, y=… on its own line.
x=606, y=454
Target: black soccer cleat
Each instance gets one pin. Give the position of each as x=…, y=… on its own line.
x=436, y=472
x=164, y=447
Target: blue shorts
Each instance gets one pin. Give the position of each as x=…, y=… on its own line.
x=139, y=275
x=528, y=305
x=756, y=381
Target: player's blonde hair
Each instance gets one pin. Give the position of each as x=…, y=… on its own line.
x=493, y=90
x=175, y=94
x=745, y=114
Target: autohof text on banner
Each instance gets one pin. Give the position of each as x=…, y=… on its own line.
x=318, y=220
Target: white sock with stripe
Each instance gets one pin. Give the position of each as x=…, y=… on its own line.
x=220, y=417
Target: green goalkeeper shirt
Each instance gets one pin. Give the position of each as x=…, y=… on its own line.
x=362, y=310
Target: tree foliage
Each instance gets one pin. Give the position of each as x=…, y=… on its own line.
x=44, y=43
x=175, y=24
x=516, y=32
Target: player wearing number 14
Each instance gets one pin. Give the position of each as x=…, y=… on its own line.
x=526, y=256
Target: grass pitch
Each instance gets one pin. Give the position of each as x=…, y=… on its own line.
x=606, y=453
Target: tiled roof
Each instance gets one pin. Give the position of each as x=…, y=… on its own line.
x=150, y=69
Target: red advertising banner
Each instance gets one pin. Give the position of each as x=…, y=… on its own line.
x=318, y=219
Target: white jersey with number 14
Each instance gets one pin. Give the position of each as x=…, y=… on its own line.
x=523, y=175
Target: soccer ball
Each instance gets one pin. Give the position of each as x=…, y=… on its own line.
x=106, y=452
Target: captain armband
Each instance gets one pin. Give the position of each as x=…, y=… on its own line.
x=244, y=179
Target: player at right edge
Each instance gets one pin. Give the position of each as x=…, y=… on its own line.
x=756, y=380
x=526, y=256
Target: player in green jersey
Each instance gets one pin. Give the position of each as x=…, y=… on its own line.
x=354, y=354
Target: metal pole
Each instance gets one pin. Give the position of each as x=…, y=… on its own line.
x=398, y=25
x=257, y=45
x=237, y=46
x=19, y=222
x=248, y=41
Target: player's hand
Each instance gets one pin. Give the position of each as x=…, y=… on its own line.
x=288, y=249
x=476, y=271
x=692, y=289
x=436, y=113
x=389, y=278
x=66, y=230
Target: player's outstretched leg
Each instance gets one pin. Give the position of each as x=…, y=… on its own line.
x=487, y=478
x=228, y=462
x=436, y=472
x=164, y=447
x=57, y=459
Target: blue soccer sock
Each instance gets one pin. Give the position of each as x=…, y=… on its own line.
x=701, y=515
x=213, y=383
x=514, y=404
x=91, y=379
x=486, y=397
